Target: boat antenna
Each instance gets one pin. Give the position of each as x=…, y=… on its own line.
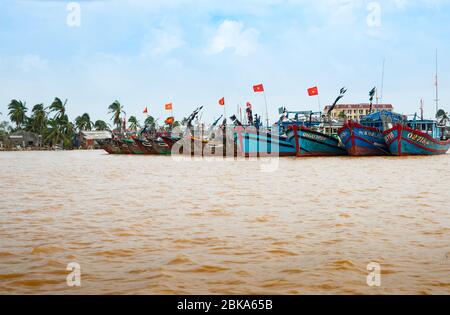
x=437, y=83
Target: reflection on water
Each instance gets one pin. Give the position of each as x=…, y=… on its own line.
x=150, y=225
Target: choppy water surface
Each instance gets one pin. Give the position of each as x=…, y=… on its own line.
x=151, y=225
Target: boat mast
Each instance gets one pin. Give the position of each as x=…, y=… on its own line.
x=421, y=109
x=437, y=84
x=382, y=82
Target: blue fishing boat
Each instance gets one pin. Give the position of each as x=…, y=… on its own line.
x=309, y=142
x=366, y=137
x=254, y=142
x=417, y=137
x=306, y=134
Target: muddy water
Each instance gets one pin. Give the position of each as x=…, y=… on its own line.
x=151, y=225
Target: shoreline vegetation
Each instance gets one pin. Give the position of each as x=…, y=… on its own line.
x=50, y=128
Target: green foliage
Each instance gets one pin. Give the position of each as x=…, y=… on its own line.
x=116, y=109
x=134, y=124
x=17, y=113
x=100, y=125
x=83, y=122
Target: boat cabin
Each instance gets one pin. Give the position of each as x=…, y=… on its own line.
x=427, y=126
x=382, y=120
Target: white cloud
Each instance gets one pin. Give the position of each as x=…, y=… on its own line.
x=233, y=35
x=162, y=42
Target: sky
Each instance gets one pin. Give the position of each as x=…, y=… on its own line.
x=192, y=53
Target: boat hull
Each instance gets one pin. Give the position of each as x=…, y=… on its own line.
x=255, y=143
x=161, y=147
x=361, y=140
x=308, y=142
x=145, y=146
x=403, y=140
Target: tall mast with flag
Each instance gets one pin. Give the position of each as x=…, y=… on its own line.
x=222, y=103
x=314, y=91
x=259, y=88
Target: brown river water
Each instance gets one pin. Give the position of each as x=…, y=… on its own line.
x=157, y=225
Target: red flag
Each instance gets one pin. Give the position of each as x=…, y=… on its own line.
x=145, y=110
x=249, y=105
x=168, y=106
x=258, y=88
x=313, y=91
x=222, y=101
x=169, y=120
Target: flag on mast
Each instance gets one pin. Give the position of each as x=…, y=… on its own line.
x=313, y=91
x=168, y=106
x=258, y=88
x=145, y=110
x=222, y=101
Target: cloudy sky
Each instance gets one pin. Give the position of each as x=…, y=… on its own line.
x=193, y=52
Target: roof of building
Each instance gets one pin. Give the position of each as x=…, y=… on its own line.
x=96, y=135
x=361, y=106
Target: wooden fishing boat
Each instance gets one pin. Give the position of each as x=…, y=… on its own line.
x=309, y=142
x=253, y=142
x=145, y=146
x=132, y=146
x=160, y=147
x=366, y=137
x=121, y=146
x=109, y=147
x=418, y=137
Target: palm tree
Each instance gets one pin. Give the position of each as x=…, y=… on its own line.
x=150, y=121
x=60, y=131
x=17, y=112
x=134, y=123
x=116, y=109
x=100, y=125
x=59, y=108
x=38, y=120
x=83, y=122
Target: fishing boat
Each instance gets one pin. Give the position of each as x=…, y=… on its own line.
x=420, y=136
x=132, y=146
x=160, y=146
x=365, y=138
x=307, y=136
x=417, y=137
x=109, y=147
x=253, y=142
x=145, y=145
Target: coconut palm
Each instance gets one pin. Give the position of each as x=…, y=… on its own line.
x=150, y=121
x=37, y=123
x=116, y=109
x=59, y=108
x=134, y=123
x=100, y=125
x=60, y=131
x=17, y=112
x=83, y=122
